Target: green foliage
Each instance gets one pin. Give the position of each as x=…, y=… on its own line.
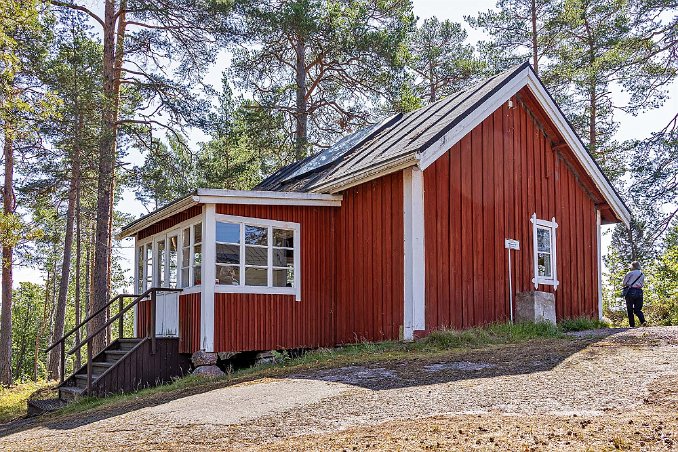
x=500, y=333
x=441, y=60
x=28, y=309
x=13, y=400
x=581, y=324
x=351, y=53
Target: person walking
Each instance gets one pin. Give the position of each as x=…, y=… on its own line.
x=633, y=293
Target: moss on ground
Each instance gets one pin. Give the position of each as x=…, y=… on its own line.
x=13, y=400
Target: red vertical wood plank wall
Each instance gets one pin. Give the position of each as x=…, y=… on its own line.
x=266, y=322
x=370, y=261
x=143, y=316
x=485, y=189
x=168, y=223
x=189, y=323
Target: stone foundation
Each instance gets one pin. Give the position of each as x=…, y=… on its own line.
x=535, y=306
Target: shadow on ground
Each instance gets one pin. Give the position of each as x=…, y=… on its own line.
x=532, y=356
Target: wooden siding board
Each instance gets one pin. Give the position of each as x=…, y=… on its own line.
x=498, y=176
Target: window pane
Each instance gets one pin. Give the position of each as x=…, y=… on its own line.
x=186, y=237
x=228, y=232
x=255, y=255
x=283, y=277
x=186, y=257
x=197, y=276
x=173, y=262
x=228, y=274
x=283, y=237
x=544, y=265
x=197, y=255
x=185, y=272
x=543, y=240
x=149, y=266
x=140, y=269
x=197, y=233
x=160, y=263
x=256, y=235
x=256, y=276
x=282, y=258
x=228, y=254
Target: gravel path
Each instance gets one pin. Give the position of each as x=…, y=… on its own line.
x=586, y=377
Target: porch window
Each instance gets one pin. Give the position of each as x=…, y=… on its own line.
x=170, y=259
x=257, y=256
x=544, y=246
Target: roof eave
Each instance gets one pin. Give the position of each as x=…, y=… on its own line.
x=216, y=196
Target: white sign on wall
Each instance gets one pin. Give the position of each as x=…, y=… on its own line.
x=511, y=244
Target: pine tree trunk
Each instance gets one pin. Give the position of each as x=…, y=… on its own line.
x=54, y=368
x=41, y=329
x=78, y=255
x=7, y=263
x=106, y=174
x=301, y=109
x=535, y=56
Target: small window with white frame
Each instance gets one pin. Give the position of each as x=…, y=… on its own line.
x=544, y=246
x=257, y=256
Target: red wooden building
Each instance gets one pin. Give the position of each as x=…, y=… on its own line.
x=396, y=229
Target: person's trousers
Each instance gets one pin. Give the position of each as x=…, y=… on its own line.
x=634, y=306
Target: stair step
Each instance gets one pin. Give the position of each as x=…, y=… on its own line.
x=114, y=355
x=70, y=393
x=127, y=344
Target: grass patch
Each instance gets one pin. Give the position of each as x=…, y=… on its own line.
x=13, y=400
x=581, y=324
x=499, y=333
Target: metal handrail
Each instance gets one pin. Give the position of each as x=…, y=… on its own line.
x=90, y=317
x=152, y=292
x=62, y=342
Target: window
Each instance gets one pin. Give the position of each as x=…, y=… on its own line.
x=140, y=269
x=170, y=259
x=253, y=253
x=544, y=245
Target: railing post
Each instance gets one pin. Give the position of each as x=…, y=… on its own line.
x=153, y=322
x=89, y=368
x=121, y=323
x=62, y=350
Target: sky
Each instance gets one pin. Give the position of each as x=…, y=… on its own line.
x=630, y=126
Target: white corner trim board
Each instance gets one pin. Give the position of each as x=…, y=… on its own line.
x=414, y=258
x=528, y=78
x=209, y=274
x=599, y=262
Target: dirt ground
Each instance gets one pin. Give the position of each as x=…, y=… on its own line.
x=604, y=391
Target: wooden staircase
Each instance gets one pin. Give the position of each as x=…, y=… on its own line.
x=126, y=364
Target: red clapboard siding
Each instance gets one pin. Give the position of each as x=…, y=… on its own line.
x=167, y=223
x=143, y=318
x=485, y=189
x=189, y=323
x=265, y=322
x=369, y=272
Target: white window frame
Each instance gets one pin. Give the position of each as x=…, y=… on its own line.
x=269, y=289
x=551, y=226
x=164, y=235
